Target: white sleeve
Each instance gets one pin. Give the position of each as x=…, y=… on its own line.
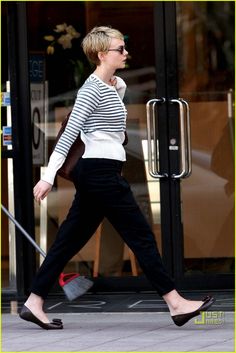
x=120, y=87
x=55, y=162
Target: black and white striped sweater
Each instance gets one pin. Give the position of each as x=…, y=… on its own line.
x=99, y=115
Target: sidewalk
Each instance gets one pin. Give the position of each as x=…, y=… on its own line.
x=121, y=332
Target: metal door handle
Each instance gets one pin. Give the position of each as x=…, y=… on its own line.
x=231, y=116
x=188, y=138
x=185, y=140
x=153, y=148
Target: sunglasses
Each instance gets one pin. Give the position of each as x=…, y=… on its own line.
x=121, y=49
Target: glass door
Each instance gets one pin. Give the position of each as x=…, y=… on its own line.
x=194, y=60
x=205, y=42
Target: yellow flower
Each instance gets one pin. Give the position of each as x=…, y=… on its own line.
x=70, y=30
x=60, y=28
x=50, y=50
x=65, y=41
x=64, y=37
x=49, y=38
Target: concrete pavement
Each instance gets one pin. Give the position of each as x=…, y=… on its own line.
x=121, y=332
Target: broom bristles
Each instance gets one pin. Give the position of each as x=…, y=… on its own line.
x=77, y=287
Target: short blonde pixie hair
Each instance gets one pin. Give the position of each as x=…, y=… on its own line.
x=99, y=40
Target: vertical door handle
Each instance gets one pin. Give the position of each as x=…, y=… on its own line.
x=230, y=105
x=188, y=138
x=185, y=139
x=153, y=146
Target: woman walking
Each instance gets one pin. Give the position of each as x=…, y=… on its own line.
x=99, y=116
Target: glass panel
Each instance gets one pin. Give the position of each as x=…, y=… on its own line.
x=206, y=76
x=66, y=69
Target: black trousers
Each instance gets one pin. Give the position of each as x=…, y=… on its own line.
x=101, y=192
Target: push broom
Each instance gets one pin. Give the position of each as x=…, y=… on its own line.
x=72, y=284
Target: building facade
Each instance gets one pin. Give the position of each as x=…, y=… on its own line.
x=180, y=155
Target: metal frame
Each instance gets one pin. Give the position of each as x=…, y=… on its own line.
x=22, y=141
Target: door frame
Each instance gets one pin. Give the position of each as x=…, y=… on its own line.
x=21, y=152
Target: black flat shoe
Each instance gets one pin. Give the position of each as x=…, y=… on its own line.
x=181, y=319
x=27, y=315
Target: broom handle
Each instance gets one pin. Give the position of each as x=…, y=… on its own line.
x=23, y=231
